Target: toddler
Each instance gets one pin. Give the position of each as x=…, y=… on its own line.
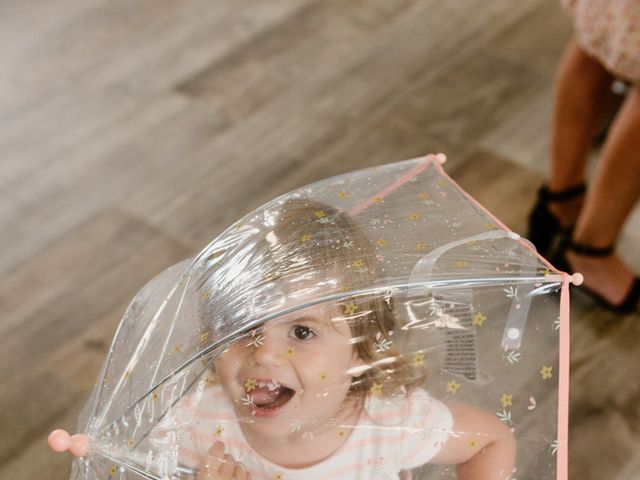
x=324, y=392
x=324, y=388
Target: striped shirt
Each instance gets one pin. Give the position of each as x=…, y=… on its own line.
x=391, y=436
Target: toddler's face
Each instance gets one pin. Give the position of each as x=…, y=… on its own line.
x=293, y=374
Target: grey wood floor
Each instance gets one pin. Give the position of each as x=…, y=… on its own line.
x=131, y=133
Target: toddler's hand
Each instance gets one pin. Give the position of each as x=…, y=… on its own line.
x=220, y=466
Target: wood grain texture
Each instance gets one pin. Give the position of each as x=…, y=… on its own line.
x=131, y=133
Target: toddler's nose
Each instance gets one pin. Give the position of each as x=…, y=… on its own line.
x=269, y=353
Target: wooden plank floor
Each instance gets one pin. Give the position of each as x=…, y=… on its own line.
x=131, y=133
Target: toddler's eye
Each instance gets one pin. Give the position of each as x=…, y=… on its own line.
x=302, y=332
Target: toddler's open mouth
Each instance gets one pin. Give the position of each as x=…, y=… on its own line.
x=269, y=395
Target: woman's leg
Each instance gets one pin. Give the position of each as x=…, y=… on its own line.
x=582, y=96
x=613, y=193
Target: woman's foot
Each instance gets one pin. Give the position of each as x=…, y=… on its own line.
x=607, y=277
x=554, y=215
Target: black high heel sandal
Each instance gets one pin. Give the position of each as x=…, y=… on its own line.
x=544, y=227
x=630, y=302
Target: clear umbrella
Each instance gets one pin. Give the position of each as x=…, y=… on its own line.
x=377, y=324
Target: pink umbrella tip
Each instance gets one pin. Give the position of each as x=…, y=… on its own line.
x=60, y=441
x=577, y=279
x=437, y=157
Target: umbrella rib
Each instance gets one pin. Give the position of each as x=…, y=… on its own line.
x=422, y=165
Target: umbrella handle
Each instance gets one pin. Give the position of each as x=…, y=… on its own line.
x=60, y=441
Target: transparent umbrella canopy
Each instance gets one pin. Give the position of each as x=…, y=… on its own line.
x=377, y=324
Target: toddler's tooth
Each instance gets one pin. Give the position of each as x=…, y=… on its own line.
x=273, y=386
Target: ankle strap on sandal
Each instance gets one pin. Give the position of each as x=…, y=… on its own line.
x=562, y=195
x=588, y=250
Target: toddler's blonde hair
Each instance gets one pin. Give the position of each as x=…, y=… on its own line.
x=315, y=242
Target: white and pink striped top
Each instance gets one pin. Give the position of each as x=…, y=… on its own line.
x=392, y=435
